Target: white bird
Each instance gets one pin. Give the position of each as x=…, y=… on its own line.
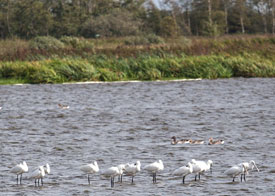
x=200, y=167
x=38, y=174
x=112, y=172
x=183, y=171
x=121, y=168
x=197, y=169
x=248, y=166
x=19, y=169
x=154, y=168
x=235, y=171
x=47, y=168
x=90, y=169
x=132, y=169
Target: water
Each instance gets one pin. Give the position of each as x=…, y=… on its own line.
x=116, y=123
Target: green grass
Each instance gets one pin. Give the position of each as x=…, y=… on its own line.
x=100, y=68
x=111, y=60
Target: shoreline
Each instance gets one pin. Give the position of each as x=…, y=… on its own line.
x=109, y=82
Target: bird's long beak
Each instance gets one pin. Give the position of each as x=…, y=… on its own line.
x=256, y=167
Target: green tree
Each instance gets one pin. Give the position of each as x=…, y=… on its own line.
x=31, y=19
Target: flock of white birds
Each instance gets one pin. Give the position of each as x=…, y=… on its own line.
x=131, y=169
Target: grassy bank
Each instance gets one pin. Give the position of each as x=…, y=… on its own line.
x=118, y=59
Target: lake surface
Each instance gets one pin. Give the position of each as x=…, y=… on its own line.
x=116, y=123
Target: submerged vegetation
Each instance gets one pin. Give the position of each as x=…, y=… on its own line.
x=70, y=59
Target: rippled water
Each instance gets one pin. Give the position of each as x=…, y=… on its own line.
x=116, y=123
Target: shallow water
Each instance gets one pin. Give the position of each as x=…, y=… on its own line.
x=116, y=123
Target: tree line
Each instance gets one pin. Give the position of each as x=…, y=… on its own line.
x=117, y=18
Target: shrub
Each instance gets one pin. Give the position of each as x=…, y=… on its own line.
x=46, y=43
x=136, y=40
x=76, y=42
x=143, y=40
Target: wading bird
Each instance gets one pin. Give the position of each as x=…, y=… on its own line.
x=112, y=172
x=248, y=166
x=90, y=169
x=235, y=171
x=121, y=169
x=132, y=169
x=37, y=175
x=19, y=169
x=154, y=168
x=183, y=171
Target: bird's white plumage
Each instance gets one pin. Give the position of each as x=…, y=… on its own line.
x=111, y=172
x=20, y=168
x=90, y=168
x=250, y=165
x=38, y=173
x=154, y=167
x=47, y=169
x=184, y=170
x=132, y=169
x=121, y=168
x=235, y=170
x=202, y=166
x=197, y=168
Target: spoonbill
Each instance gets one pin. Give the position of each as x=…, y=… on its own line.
x=132, y=169
x=154, y=168
x=37, y=175
x=90, y=169
x=201, y=167
x=183, y=171
x=112, y=172
x=175, y=141
x=248, y=166
x=47, y=168
x=121, y=168
x=19, y=169
x=211, y=141
x=235, y=171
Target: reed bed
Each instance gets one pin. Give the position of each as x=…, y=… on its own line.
x=100, y=68
x=70, y=59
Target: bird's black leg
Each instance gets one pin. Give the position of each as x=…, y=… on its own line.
x=132, y=179
x=17, y=179
x=112, y=181
x=21, y=179
x=233, y=179
x=199, y=176
x=241, y=177
x=42, y=181
x=196, y=177
x=89, y=179
x=244, y=177
x=121, y=178
x=34, y=182
x=183, y=179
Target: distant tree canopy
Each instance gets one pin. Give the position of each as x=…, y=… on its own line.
x=114, y=18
